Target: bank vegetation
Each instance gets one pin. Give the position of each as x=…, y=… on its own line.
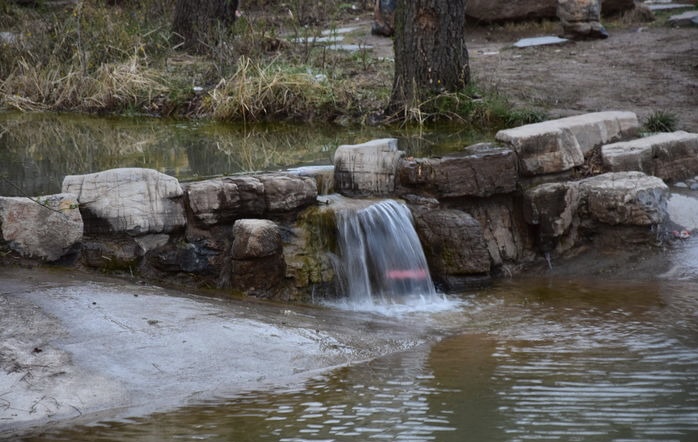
x=121, y=57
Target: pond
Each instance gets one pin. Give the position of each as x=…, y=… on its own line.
x=550, y=357
x=565, y=359
x=38, y=150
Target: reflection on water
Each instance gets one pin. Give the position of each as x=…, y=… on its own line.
x=528, y=360
x=38, y=150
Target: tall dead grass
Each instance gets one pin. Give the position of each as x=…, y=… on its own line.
x=112, y=87
x=256, y=92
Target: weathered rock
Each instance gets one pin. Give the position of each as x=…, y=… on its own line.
x=46, y=227
x=184, y=257
x=112, y=253
x=288, y=192
x=506, y=10
x=258, y=266
x=627, y=198
x=669, y=156
x=367, y=169
x=581, y=18
x=552, y=207
x=255, y=238
x=688, y=18
x=503, y=226
x=617, y=7
x=131, y=200
x=223, y=200
x=481, y=170
x=150, y=242
x=453, y=244
x=558, y=145
x=323, y=176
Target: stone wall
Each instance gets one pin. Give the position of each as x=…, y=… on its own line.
x=481, y=212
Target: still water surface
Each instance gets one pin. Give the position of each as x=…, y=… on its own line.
x=545, y=359
x=38, y=150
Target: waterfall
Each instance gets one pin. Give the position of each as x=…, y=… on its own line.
x=381, y=258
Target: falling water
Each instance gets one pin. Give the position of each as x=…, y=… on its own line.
x=381, y=258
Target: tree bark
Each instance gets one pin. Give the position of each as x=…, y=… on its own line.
x=430, y=51
x=198, y=22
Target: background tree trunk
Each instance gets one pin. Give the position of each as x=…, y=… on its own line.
x=430, y=52
x=198, y=22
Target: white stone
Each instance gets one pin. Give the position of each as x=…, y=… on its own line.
x=132, y=200
x=45, y=227
x=368, y=168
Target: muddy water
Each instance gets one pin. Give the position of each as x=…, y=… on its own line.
x=38, y=150
x=531, y=359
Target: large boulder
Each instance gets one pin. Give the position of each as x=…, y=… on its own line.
x=46, y=227
x=669, y=156
x=288, y=192
x=223, y=200
x=454, y=246
x=625, y=198
x=507, y=10
x=555, y=146
x=257, y=263
x=520, y=10
x=581, y=18
x=480, y=170
x=129, y=200
x=617, y=7
x=367, y=169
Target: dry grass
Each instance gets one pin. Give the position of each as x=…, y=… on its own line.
x=258, y=92
x=113, y=87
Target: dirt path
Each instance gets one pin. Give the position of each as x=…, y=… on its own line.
x=640, y=69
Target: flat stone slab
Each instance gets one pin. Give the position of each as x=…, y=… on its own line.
x=688, y=18
x=667, y=6
x=558, y=145
x=669, y=156
x=540, y=41
x=480, y=170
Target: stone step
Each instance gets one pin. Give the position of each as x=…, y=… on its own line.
x=670, y=156
x=558, y=145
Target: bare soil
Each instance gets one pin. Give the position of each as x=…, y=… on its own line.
x=640, y=68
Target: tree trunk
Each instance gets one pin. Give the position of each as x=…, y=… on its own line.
x=198, y=23
x=430, y=52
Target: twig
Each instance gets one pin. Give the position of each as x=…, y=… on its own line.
x=24, y=194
